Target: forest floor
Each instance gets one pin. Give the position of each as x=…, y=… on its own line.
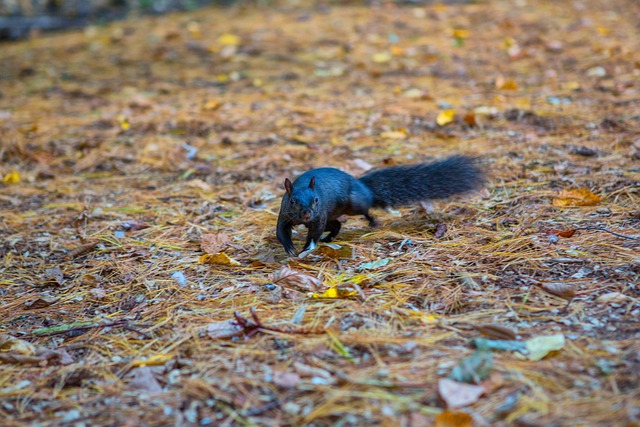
x=141, y=171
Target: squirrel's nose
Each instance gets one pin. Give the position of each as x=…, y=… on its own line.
x=306, y=215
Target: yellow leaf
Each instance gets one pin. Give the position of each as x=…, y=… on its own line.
x=459, y=33
x=11, y=178
x=155, y=360
x=539, y=347
x=576, y=197
x=510, y=42
x=124, y=123
x=194, y=30
x=381, y=57
x=229, y=40
x=212, y=105
x=358, y=278
x=445, y=117
x=396, y=134
x=505, y=84
x=571, y=85
x=220, y=258
x=333, y=293
x=429, y=319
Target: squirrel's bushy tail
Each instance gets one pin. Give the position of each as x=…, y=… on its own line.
x=403, y=185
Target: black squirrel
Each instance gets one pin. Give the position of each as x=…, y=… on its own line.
x=318, y=197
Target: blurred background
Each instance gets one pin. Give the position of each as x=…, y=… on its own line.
x=22, y=18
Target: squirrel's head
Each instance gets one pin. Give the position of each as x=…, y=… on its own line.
x=303, y=201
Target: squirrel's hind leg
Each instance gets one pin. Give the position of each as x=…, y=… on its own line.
x=333, y=227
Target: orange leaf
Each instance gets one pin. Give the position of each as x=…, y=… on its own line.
x=453, y=419
x=566, y=233
x=219, y=258
x=576, y=197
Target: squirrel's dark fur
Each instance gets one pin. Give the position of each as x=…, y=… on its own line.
x=318, y=197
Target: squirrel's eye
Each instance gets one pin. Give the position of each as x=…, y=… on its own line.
x=315, y=200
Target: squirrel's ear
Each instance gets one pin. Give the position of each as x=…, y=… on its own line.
x=288, y=186
x=312, y=183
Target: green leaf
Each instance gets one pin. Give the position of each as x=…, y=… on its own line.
x=474, y=368
x=375, y=264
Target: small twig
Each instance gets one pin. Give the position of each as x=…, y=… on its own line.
x=251, y=328
x=119, y=323
x=273, y=404
x=607, y=231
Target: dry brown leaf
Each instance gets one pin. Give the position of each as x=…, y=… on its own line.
x=306, y=371
x=441, y=230
x=214, y=243
x=223, y=329
x=10, y=344
x=284, y=379
x=612, y=298
x=499, y=332
x=40, y=302
x=54, y=275
x=55, y=357
x=561, y=290
x=289, y=277
x=457, y=395
x=143, y=379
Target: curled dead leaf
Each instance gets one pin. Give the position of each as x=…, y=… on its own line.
x=457, y=395
x=224, y=329
x=284, y=379
x=213, y=243
x=562, y=233
x=143, y=379
x=612, y=298
x=11, y=344
x=561, y=290
x=55, y=357
x=441, y=230
x=496, y=331
x=54, y=275
x=289, y=277
x=40, y=302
